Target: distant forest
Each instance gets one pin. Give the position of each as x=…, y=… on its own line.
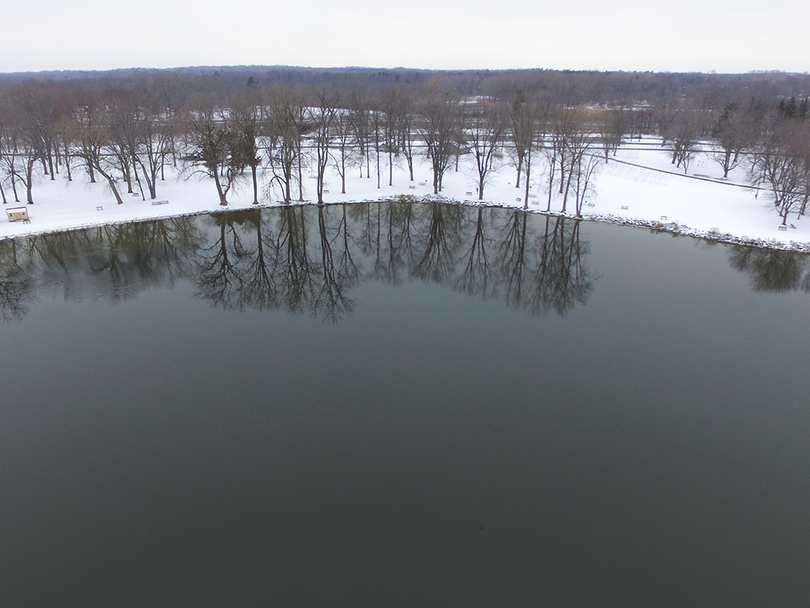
x=560, y=86
x=269, y=124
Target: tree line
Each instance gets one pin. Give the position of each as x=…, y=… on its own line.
x=272, y=135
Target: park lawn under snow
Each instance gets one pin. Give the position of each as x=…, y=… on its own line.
x=643, y=189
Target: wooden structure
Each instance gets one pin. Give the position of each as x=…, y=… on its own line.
x=18, y=214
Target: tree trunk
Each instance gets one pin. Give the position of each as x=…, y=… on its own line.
x=377, y=154
x=14, y=188
x=29, y=197
x=287, y=184
x=255, y=185
x=222, y=196
x=528, y=175
x=111, y=183
x=300, y=181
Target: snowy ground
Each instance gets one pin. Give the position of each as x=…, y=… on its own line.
x=643, y=189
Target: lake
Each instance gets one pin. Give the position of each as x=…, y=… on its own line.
x=401, y=404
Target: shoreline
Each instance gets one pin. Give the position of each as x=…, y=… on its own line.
x=657, y=226
x=636, y=188
x=671, y=228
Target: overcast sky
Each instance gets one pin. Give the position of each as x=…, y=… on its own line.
x=680, y=35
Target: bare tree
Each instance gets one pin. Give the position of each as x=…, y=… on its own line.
x=286, y=107
x=565, y=123
x=344, y=138
x=376, y=122
x=682, y=128
x=527, y=120
x=613, y=126
x=442, y=128
x=7, y=150
x=523, y=131
x=154, y=139
x=93, y=138
x=486, y=124
x=247, y=119
x=360, y=117
x=392, y=104
x=577, y=145
x=585, y=167
x=65, y=134
x=28, y=109
x=322, y=115
x=120, y=109
x=733, y=133
x=406, y=128
x=782, y=164
x=215, y=150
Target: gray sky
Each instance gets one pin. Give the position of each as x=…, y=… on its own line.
x=685, y=35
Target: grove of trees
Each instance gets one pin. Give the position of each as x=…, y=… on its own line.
x=554, y=128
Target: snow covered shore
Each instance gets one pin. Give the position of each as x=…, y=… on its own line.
x=638, y=187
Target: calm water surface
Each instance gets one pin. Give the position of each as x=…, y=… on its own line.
x=401, y=405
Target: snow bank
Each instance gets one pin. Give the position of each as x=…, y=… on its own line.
x=638, y=187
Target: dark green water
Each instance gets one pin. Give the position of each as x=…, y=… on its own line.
x=401, y=405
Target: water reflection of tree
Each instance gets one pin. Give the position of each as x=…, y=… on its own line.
x=307, y=259
x=771, y=270
x=511, y=257
x=561, y=279
x=113, y=262
x=267, y=260
x=477, y=277
x=295, y=266
x=348, y=271
x=258, y=289
x=128, y=258
x=440, y=241
x=385, y=234
x=218, y=278
x=547, y=271
x=16, y=284
x=330, y=299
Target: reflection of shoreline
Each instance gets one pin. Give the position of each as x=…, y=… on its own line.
x=307, y=259
x=658, y=226
x=771, y=270
x=713, y=237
